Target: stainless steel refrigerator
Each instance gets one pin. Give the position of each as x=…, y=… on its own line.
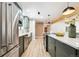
x=9, y=40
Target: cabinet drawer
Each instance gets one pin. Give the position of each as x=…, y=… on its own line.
x=21, y=45
x=63, y=50
x=51, y=46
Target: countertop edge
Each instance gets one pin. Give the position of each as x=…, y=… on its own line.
x=23, y=34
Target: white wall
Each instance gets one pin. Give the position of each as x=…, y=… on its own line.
x=58, y=27
x=32, y=28
x=77, y=26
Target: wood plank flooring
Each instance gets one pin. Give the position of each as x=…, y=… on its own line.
x=36, y=49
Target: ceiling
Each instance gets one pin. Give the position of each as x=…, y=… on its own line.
x=54, y=9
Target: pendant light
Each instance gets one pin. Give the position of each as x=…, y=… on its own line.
x=68, y=10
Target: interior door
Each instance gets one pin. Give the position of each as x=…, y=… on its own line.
x=39, y=29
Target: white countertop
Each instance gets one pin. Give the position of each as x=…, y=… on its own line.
x=73, y=42
x=22, y=33
x=26, y=33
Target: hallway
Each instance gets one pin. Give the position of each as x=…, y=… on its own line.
x=36, y=49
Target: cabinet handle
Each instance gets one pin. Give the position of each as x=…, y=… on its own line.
x=76, y=52
x=10, y=16
x=55, y=51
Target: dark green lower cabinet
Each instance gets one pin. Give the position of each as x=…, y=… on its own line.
x=51, y=46
x=63, y=50
x=59, y=49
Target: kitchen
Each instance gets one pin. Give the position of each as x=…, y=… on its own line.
x=46, y=23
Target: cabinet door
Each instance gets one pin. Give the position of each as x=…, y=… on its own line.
x=63, y=50
x=26, y=41
x=51, y=46
x=21, y=45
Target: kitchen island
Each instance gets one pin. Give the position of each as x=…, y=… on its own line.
x=62, y=46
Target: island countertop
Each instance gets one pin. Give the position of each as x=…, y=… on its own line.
x=73, y=42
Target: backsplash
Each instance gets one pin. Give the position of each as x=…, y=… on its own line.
x=58, y=27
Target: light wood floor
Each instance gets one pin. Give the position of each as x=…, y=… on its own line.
x=36, y=49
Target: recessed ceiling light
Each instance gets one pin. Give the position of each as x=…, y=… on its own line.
x=48, y=14
x=38, y=13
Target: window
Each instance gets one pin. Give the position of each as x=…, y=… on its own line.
x=26, y=23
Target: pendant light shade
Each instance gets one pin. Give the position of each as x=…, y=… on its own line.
x=68, y=10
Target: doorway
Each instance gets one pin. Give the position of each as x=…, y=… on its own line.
x=39, y=30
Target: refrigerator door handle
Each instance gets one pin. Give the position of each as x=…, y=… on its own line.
x=9, y=23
